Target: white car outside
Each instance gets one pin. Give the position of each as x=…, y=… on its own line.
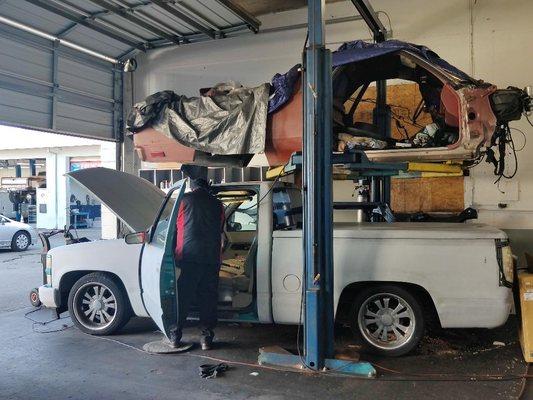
x=16, y=236
x=388, y=277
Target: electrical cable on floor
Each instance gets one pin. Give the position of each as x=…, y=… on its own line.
x=524, y=384
x=35, y=323
x=402, y=376
x=211, y=371
x=201, y=356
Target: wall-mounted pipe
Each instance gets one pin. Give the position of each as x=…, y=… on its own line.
x=67, y=43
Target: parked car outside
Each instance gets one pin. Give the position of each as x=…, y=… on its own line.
x=16, y=236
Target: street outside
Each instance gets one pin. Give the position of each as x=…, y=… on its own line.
x=22, y=271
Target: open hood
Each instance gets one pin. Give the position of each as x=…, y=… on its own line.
x=133, y=200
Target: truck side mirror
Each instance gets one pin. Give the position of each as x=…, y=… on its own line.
x=135, y=238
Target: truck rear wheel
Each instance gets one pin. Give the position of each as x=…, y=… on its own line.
x=388, y=319
x=97, y=305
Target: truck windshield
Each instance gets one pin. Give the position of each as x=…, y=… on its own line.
x=244, y=218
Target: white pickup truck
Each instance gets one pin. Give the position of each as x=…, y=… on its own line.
x=389, y=277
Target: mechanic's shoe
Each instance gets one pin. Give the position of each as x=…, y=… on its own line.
x=206, y=342
x=175, y=337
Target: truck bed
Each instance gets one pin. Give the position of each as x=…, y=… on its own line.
x=412, y=230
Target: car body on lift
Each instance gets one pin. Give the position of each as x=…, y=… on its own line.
x=388, y=277
x=16, y=236
x=464, y=113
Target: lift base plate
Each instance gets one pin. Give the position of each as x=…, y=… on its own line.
x=278, y=356
x=164, y=347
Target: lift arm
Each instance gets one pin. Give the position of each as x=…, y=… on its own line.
x=371, y=18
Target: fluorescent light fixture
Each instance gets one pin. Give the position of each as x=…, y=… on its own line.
x=53, y=38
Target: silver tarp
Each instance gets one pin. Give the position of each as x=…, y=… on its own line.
x=227, y=120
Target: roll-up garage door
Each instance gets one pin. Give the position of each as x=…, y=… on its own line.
x=61, y=61
x=46, y=86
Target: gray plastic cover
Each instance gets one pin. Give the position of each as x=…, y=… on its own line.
x=224, y=123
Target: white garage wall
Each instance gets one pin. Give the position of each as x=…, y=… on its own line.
x=487, y=38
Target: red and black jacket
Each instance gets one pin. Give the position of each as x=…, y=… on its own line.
x=199, y=226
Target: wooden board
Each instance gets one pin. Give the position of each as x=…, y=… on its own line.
x=444, y=194
x=403, y=99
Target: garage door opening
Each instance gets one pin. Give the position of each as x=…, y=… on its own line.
x=35, y=190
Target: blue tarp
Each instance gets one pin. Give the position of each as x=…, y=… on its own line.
x=360, y=50
x=283, y=85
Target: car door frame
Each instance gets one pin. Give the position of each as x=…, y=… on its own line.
x=168, y=293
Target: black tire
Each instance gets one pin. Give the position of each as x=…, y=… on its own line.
x=21, y=241
x=34, y=298
x=83, y=295
x=409, y=316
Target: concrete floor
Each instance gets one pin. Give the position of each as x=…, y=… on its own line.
x=57, y=361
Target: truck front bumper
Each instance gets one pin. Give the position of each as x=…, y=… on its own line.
x=49, y=296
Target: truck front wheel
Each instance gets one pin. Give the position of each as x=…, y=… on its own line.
x=388, y=319
x=97, y=305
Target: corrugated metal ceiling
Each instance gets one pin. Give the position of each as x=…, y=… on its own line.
x=260, y=7
x=116, y=27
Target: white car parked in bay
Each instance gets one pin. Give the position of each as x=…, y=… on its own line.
x=16, y=236
x=389, y=278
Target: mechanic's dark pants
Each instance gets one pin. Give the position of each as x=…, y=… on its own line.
x=200, y=282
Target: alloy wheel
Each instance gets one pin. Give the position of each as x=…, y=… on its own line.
x=21, y=241
x=95, y=306
x=386, y=321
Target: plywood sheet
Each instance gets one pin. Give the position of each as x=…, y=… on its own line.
x=403, y=99
x=445, y=194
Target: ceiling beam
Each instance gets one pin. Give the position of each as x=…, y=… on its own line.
x=124, y=13
x=87, y=23
x=98, y=15
x=252, y=22
x=185, y=18
x=135, y=9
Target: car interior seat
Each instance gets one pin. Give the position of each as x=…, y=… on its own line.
x=239, y=288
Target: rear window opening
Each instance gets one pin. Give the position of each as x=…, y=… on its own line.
x=423, y=110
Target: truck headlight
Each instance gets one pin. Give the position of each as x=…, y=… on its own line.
x=505, y=262
x=48, y=269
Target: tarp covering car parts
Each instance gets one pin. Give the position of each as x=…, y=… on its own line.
x=229, y=119
x=359, y=50
x=463, y=113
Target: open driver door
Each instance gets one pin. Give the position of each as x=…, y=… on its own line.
x=157, y=271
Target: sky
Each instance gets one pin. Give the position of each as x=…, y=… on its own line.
x=17, y=138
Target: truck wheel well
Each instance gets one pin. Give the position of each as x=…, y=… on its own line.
x=350, y=292
x=69, y=278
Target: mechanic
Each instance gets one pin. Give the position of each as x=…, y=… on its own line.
x=199, y=225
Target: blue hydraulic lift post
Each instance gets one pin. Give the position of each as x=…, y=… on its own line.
x=317, y=194
x=317, y=214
